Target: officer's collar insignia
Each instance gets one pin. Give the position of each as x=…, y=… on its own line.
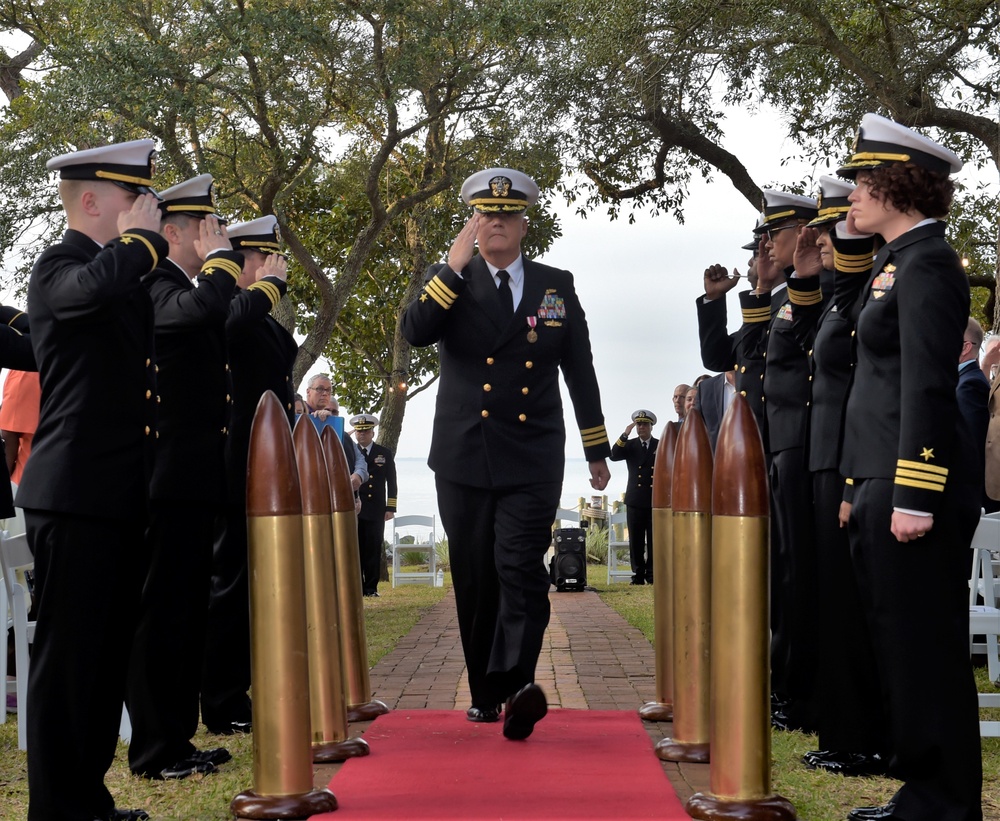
x=500, y=186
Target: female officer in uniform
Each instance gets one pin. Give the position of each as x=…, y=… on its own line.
x=916, y=499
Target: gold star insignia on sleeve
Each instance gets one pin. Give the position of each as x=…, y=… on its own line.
x=423, y=297
x=126, y=240
x=927, y=454
x=209, y=271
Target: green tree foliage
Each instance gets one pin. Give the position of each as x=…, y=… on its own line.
x=347, y=120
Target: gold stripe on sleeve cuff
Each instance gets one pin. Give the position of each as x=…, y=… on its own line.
x=440, y=293
x=852, y=263
x=390, y=502
x=149, y=246
x=229, y=266
x=805, y=297
x=270, y=291
x=753, y=315
x=594, y=436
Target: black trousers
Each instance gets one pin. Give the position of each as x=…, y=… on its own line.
x=640, y=542
x=852, y=718
x=226, y=673
x=371, y=535
x=497, y=540
x=165, y=672
x=88, y=579
x=794, y=650
x=916, y=601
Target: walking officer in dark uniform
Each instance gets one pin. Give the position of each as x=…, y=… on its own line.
x=85, y=489
x=377, y=507
x=189, y=484
x=505, y=326
x=639, y=455
x=261, y=355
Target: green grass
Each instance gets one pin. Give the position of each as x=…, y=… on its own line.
x=817, y=796
x=387, y=619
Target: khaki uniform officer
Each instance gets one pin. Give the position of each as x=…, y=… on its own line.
x=505, y=326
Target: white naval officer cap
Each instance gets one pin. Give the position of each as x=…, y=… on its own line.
x=192, y=197
x=260, y=235
x=363, y=421
x=780, y=206
x=499, y=190
x=832, y=200
x=128, y=165
x=882, y=141
x=644, y=416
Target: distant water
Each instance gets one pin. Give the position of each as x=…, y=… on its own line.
x=417, y=494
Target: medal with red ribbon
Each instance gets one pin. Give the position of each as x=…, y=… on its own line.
x=532, y=335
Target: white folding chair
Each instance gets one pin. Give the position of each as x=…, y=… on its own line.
x=15, y=558
x=423, y=530
x=619, y=567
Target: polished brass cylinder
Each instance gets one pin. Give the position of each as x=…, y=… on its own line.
x=662, y=707
x=740, y=735
x=691, y=496
x=283, y=777
x=347, y=563
x=741, y=727
x=278, y=658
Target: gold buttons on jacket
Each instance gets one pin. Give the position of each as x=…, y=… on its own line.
x=485, y=413
x=489, y=360
x=529, y=364
x=148, y=394
x=743, y=393
x=148, y=361
x=487, y=387
x=524, y=391
x=225, y=430
x=229, y=398
x=743, y=369
x=522, y=417
x=147, y=430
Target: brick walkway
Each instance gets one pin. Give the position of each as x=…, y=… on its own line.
x=591, y=658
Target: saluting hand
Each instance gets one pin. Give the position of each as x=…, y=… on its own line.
x=629, y=429
x=274, y=266
x=212, y=236
x=718, y=282
x=464, y=246
x=806, y=258
x=144, y=215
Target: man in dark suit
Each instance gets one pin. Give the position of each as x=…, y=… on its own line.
x=261, y=355
x=377, y=508
x=714, y=397
x=85, y=488
x=639, y=455
x=973, y=394
x=505, y=326
x=188, y=486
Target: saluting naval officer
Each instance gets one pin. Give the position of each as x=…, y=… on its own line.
x=917, y=473
x=505, y=326
x=378, y=499
x=85, y=489
x=771, y=339
x=189, y=484
x=261, y=355
x=639, y=455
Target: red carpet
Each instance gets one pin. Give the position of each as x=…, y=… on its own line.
x=433, y=764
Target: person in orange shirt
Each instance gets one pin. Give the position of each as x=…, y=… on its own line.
x=22, y=396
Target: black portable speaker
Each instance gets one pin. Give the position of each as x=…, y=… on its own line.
x=569, y=564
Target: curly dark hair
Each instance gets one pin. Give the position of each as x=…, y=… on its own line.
x=909, y=187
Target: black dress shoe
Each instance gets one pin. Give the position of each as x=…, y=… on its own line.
x=125, y=815
x=483, y=715
x=848, y=764
x=184, y=768
x=524, y=710
x=872, y=813
x=216, y=755
x=374, y=595
x=231, y=727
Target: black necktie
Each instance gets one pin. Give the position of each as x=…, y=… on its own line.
x=364, y=451
x=506, y=297
x=644, y=446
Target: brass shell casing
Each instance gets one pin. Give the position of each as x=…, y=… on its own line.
x=278, y=656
